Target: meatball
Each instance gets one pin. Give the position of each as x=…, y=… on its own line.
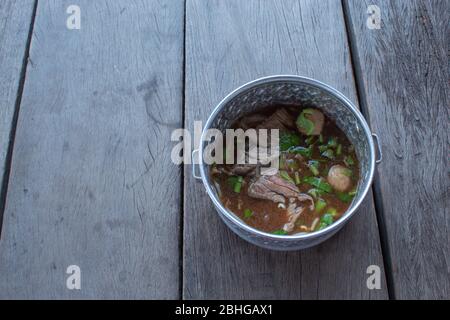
x=316, y=117
x=339, y=177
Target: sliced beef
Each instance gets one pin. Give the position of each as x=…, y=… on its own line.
x=260, y=190
x=251, y=121
x=281, y=186
x=280, y=119
x=306, y=197
x=294, y=210
x=272, y=188
x=236, y=170
x=243, y=169
x=294, y=213
x=276, y=189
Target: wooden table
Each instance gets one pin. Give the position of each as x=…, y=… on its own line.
x=86, y=117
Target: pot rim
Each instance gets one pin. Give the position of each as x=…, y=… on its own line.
x=288, y=78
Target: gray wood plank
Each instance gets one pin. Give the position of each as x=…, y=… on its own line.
x=15, y=20
x=403, y=68
x=92, y=183
x=227, y=44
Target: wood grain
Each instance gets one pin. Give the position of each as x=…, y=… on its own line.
x=230, y=43
x=403, y=68
x=15, y=20
x=92, y=183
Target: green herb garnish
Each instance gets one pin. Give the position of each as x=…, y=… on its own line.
x=280, y=232
x=348, y=160
x=332, y=143
x=332, y=211
x=318, y=183
x=310, y=140
x=325, y=221
x=329, y=153
x=327, y=218
x=306, y=152
x=320, y=204
x=315, y=193
x=248, y=213
x=346, y=197
x=339, y=149
x=236, y=183
x=304, y=123
x=313, y=165
x=288, y=140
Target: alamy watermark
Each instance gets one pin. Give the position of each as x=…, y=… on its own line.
x=73, y=281
x=73, y=21
x=234, y=146
x=374, y=279
x=373, y=22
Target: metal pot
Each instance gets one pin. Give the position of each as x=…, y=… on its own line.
x=291, y=90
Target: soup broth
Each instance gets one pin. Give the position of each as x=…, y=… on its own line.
x=315, y=183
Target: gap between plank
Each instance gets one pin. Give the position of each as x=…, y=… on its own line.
x=376, y=191
x=182, y=167
x=12, y=134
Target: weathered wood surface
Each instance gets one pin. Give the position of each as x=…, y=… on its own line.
x=15, y=21
x=92, y=183
x=403, y=68
x=227, y=44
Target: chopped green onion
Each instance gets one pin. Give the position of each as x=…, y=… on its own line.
x=323, y=148
x=297, y=177
x=310, y=140
x=339, y=149
x=304, y=123
x=332, y=143
x=248, y=213
x=306, y=152
x=282, y=164
x=236, y=183
x=332, y=211
x=318, y=183
x=325, y=221
x=348, y=160
x=314, y=167
x=327, y=218
x=314, y=170
x=329, y=153
x=321, y=226
x=320, y=204
x=352, y=192
x=321, y=138
x=280, y=232
x=286, y=176
x=315, y=193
